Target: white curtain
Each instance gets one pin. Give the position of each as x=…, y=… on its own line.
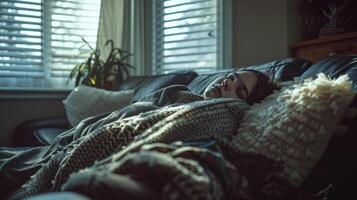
x=111, y=23
x=141, y=22
x=125, y=22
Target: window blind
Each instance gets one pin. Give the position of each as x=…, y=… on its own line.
x=185, y=35
x=40, y=40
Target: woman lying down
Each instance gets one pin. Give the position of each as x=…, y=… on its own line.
x=172, y=144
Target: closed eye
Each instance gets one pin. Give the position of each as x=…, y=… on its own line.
x=242, y=90
x=230, y=77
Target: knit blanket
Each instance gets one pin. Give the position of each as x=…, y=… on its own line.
x=204, y=119
x=158, y=146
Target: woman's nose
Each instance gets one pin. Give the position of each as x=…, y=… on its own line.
x=226, y=83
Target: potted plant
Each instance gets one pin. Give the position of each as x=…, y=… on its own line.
x=100, y=73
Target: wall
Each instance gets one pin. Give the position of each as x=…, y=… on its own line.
x=17, y=106
x=263, y=31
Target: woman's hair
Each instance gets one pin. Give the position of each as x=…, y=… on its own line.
x=264, y=87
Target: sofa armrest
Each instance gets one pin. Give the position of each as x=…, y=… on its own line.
x=25, y=132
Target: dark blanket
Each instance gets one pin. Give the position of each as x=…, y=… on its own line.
x=207, y=168
x=18, y=164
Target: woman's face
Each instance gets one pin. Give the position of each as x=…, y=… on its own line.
x=234, y=85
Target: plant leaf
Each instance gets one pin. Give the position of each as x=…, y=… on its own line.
x=85, y=41
x=95, y=72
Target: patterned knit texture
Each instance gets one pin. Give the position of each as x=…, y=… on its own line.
x=180, y=168
x=295, y=124
x=196, y=120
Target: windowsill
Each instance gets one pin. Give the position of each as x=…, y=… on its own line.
x=33, y=93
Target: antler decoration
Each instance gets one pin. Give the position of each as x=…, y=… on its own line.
x=335, y=11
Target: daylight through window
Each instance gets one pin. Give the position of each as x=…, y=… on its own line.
x=186, y=35
x=41, y=40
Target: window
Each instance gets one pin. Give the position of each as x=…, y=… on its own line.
x=186, y=35
x=41, y=40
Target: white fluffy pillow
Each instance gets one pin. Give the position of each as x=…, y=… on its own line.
x=295, y=124
x=86, y=101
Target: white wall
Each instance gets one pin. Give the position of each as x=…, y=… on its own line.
x=263, y=30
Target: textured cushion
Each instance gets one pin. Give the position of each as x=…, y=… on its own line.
x=336, y=166
x=86, y=101
x=145, y=85
x=295, y=124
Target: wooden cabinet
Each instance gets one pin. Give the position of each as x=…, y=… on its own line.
x=313, y=50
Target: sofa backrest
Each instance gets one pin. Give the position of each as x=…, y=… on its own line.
x=283, y=69
x=280, y=70
x=144, y=85
x=334, y=66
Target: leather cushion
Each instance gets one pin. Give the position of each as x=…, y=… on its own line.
x=334, y=66
x=200, y=83
x=283, y=69
x=24, y=132
x=46, y=136
x=144, y=85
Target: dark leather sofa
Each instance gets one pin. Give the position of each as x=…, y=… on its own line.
x=333, y=173
x=43, y=131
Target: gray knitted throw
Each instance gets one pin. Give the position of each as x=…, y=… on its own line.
x=216, y=118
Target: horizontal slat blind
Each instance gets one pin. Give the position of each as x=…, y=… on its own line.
x=185, y=35
x=70, y=21
x=40, y=40
x=20, y=39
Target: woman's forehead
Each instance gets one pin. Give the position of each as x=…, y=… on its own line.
x=247, y=74
x=249, y=79
x=239, y=73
